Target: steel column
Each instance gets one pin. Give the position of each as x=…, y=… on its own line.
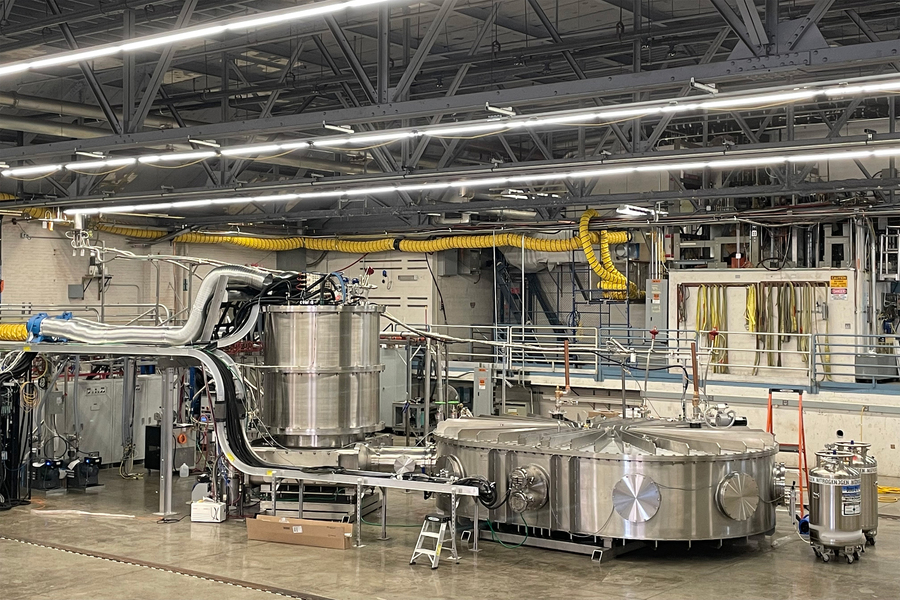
x=166, y=450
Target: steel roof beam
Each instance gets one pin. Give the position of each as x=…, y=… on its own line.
x=350, y=56
x=809, y=21
x=96, y=88
x=162, y=67
x=737, y=26
x=425, y=45
x=795, y=63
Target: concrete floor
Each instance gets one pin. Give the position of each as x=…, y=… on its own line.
x=778, y=567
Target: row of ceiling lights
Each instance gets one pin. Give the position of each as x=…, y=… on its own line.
x=506, y=121
x=504, y=181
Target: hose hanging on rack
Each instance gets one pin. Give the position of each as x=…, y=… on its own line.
x=711, y=321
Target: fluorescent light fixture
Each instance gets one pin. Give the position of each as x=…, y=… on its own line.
x=89, y=165
x=341, y=128
x=506, y=112
x=210, y=143
x=178, y=157
x=35, y=170
x=709, y=88
x=249, y=151
x=633, y=211
x=630, y=210
x=90, y=154
x=505, y=182
x=199, y=32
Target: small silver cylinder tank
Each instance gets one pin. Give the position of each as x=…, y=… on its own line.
x=835, y=504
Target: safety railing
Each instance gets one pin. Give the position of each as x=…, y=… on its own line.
x=604, y=352
x=119, y=314
x=842, y=360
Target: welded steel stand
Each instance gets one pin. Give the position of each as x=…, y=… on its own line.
x=384, y=535
x=359, y=497
x=300, y=489
x=474, y=547
x=166, y=448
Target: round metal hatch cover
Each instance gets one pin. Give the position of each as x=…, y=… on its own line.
x=738, y=496
x=636, y=498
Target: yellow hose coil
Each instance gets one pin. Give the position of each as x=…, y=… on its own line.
x=13, y=333
x=610, y=277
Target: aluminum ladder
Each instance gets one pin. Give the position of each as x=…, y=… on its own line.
x=437, y=528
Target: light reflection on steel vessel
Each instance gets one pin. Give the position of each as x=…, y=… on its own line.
x=623, y=479
x=321, y=381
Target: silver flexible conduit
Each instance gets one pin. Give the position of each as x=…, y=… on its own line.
x=89, y=332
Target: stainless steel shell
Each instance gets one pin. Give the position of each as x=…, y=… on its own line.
x=321, y=384
x=867, y=466
x=738, y=496
x=835, y=510
x=629, y=479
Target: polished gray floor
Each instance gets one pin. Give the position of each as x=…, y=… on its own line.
x=777, y=567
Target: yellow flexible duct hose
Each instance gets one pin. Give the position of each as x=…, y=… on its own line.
x=610, y=277
x=13, y=333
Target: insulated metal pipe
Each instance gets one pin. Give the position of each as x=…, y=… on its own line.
x=89, y=332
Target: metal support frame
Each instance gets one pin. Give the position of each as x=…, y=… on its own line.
x=753, y=23
x=454, y=86
x=383, y=60
x=809, y=22
x=167, y=448
x=738, y=69
x=356, y=66
x=425, y=45
x=88, y=73
x=129, y=90
x=159, y=72
x=737, y=26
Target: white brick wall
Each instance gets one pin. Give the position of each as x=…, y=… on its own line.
x=38, y=269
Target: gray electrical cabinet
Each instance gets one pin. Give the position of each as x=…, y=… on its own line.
x=394, y=381
x=657, y=304
x=483, y=392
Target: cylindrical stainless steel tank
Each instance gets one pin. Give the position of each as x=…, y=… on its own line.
x=632, y=479
x=835, y=507
x=321, y=381
x=867, y=466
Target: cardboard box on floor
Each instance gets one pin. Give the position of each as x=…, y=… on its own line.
x=322, y=534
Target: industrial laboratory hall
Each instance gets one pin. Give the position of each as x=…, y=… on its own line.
x=449, y=299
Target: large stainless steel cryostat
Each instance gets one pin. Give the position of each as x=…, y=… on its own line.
x=320, y=388
x=621, y=479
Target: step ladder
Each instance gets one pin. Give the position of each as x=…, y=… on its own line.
x=800, y=446
x=437, y=528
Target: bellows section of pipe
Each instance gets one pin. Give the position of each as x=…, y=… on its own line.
x=90, y=332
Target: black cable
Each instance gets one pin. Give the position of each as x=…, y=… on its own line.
x=167, y=521
x=437, y=287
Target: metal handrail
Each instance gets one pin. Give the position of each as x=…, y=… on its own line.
x=29, y=308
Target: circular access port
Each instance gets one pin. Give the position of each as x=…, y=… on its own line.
x=636, y=498
x=738, y=496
